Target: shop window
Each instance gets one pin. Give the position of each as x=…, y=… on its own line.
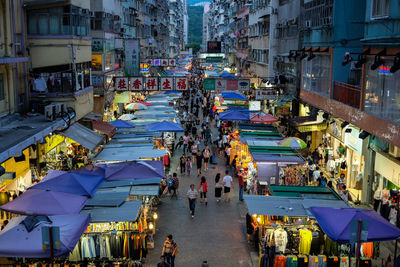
x=380, y=8
x=382, y=93
x=316, y=75
x=2, y=94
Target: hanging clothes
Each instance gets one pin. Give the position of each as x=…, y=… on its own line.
x=281, y=240
x=305, y=241
x=88, y=249
x=333, y=261
x=280, y=261
x=317, y=242
x=367, y=249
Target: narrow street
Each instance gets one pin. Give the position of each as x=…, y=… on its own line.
x=216, y=234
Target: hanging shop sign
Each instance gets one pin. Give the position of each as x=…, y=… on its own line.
x=151, y=83
x=353, y=141
x=164, y=62
x=387, y=168
x=209, y=84
x=214, y=47
x=157, y=62
x=121, y=84
x=172, y=62
x=132, y=57
x=244, y=84
x=220, y=84
x=231, y=85
x=265, y=94
x=167, y=84
x=144, y=67
x=336, y=130
x=136, y=84
x=149, y=62
x=181, y=83
x=214, y=59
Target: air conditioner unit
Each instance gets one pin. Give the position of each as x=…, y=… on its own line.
x=394, y=151
x=50, y=112
x=308, y=23
x=60, y=108
x=92, y=14
x=116, y=17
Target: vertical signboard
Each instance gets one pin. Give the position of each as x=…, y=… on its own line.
x=136, y=83
x=132, y=57
x=231, y=85
x=167, y=84
x=152, y=83
x=181, y=83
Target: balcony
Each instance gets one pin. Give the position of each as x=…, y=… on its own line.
x=347, y=94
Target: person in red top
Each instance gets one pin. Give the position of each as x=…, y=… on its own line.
x=203, y=189
x=241, y=184
x=166, y=161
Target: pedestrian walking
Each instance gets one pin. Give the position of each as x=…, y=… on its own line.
x=163, y=263
x=192, y=196
x=170, y=250
x=218, y=187
x=188, y=165
x=228, y=184
x=194, y=150
x=203, y=189
x=241, y=185
x=174, y=185
x=206, y=157
x=199, y=162
x=185, y=142
x=182, y=164
x=180, y=143
x=228, y=154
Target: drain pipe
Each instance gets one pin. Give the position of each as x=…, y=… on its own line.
x=15, y=65
x=22, y=41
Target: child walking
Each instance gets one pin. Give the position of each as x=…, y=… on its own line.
x=203, y=189
x=188, y=165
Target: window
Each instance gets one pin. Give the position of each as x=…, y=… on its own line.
x=58, y=21
x=382, y=94
x=2, y=94
x=380, y=8
x=316, y=75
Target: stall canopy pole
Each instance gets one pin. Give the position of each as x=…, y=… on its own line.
x=358, y=242
x=395, y=253
x=51, y=246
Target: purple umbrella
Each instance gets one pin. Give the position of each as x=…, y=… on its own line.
x=70, y=182
x=16, y=241
x=336, y=224
x=42, y=202
x=134, y=170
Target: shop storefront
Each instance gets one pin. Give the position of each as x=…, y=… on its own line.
x=354, y=163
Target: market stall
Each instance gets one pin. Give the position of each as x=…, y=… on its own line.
x=128, y=152
x=286, y=231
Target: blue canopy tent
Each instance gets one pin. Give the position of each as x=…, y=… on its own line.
x=127, y=212
x=42, y=202
x=233, y=95
x=134, y=170
x=336, y=223
x=227, y=75
x=122, y=124
x=70, y=182
x=16, y=241
x=164, y=126
x=234, y=116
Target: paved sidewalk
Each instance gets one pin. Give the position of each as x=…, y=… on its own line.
x=216, y=234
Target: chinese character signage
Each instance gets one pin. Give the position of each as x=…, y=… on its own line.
x=209, y=84
x=164, y=62
x=181, y=83
x=243, y=84
x=266, y=94
x=152, y=83
x=213, y=47
x=157, y=62
x=172, y=62
x=167, y=84
x=220, y=85
x=132, y=57
x=136, y=84
x=149, y=62
x=121, y=84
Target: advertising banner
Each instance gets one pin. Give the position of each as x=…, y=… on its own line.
x=220, y=85
x=132, y=57
x=231, y=85
x=167, y=84
x=244, y=85
x=152, y=83
x=121, y=84
x=181, y=83
x=209, y=84
x=265, y=94
x=136, y=83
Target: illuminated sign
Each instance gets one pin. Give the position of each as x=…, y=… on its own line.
x=384, y=70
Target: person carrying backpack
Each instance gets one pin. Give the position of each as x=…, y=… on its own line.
x=170, y=250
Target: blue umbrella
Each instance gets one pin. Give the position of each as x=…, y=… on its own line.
x=70, y=182
x=336, y=224
x=234, y=116
x=122, y=124
x=164, y=126
x=16, y=241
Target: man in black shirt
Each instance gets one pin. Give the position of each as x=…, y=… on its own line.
x=199, y=162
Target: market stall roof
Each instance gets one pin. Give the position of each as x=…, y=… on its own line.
x=109, y=197
x=127, y=212
x=336, y=224
x=93, y=116
x=70, y=182
x=246, y=126
x=133, y=140
x=283, y=99
x=267, y=118
x=134, y=170
x=144, y=190
x=164, y=126
x=133, y=134
x=233, y=95
x=262, y=134
x=291, y=159
x=234, y=116
x=310, y=192
x=104, y=127
x=16, y=241
x=122, y=124
x=84, y=136
x=42, y=202
x=277, y=150
x=148, y=181
x=251, y=141
x=284, y=206
x=126, y=153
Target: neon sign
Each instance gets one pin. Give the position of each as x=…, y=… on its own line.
x=384, y=70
